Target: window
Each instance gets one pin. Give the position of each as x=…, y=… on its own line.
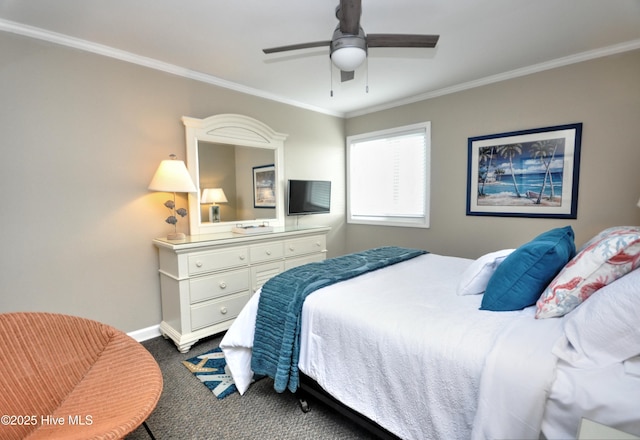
x=388, y=176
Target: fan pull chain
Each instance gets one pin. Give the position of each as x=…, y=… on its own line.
x=331, y=77
x=366, y=67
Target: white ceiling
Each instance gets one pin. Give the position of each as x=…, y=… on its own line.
x=221, y=42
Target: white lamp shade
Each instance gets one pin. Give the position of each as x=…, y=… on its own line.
x=172, y=176
x=348, y=58
x=213, y=195
x=638, y=203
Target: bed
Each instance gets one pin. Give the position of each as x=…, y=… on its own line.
x=425, y=348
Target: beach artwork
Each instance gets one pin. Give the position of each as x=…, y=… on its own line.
x=264, y=186
x=531, y=173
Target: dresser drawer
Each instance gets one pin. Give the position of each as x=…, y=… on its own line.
x=307, y=245
x=261, y=273
x=213, y=286
x=218, y=310
x=266, y=252
x=218, y=260
x=295, y=262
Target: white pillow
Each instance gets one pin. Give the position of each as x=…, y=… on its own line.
x=475, y=278
x=604, y=330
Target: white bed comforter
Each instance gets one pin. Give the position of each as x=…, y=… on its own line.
x=399, y=346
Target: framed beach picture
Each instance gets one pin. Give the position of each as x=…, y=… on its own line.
x=264, y=186
x=529, y=173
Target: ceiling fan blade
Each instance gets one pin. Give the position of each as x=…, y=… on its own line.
x=349, y=16
x=401, y=40
x=297, y=46
x=346, y=76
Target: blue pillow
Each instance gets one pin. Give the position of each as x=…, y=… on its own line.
x=522, y=277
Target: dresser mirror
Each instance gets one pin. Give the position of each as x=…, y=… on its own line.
x=241, y=156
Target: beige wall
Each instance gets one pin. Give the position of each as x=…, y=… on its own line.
x=603, y=94
x=81, y=136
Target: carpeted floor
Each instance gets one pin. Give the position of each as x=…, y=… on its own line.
x=187, y=410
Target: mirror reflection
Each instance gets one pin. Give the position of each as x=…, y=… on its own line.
x=229, y=176
x=239, y=161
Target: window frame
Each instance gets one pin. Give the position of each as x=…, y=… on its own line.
x=410, y=222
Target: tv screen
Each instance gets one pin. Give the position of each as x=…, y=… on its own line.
x=309, y=197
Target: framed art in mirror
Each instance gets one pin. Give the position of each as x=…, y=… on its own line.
x=264, y=186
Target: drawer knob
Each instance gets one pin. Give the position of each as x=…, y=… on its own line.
x=223, y=285
x=242, y=257
x=223, y=310
x=268, y=252
x=318, y=243
x=291, y=248
x=198, y=263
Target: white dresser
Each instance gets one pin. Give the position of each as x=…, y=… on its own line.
x=205, y=280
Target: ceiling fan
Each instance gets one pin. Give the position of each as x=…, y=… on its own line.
x=349, y=44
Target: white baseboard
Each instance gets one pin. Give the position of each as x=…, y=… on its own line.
x=145, y=333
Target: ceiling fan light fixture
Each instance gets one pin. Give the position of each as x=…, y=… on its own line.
x=348, y=59
x=348, y=51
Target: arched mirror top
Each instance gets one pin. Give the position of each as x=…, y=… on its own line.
x=253, y=146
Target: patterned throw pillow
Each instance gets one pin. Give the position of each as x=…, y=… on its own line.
x=607, y=232
x=608, y=256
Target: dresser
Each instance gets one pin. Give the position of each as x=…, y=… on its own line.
x=205, y=280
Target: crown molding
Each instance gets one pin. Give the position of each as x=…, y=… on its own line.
x=88, y=46
x=560, y=62
x=107, y=51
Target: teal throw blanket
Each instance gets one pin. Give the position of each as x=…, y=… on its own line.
x=277, y=332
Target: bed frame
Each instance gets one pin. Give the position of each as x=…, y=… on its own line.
x=309, y=387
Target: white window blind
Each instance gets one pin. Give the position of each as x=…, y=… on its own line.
x=388, y=177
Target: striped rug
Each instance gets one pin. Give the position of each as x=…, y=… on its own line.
x=211, y=369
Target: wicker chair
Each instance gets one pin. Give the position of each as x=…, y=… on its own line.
x=64, y=377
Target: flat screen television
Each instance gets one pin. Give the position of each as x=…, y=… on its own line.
x=308, y=197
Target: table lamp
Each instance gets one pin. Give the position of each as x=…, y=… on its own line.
x=213, y=196
x=172, y=176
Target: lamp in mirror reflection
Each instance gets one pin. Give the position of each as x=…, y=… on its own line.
x=172, y=176
x=638, y=203
x=212, y=196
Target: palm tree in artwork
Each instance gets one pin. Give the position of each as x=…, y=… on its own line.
x=510, y=151
x=485, y=156
x=545, y=151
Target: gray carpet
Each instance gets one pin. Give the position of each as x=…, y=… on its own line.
x=187, y=410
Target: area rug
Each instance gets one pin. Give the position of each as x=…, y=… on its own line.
x=211, y=369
